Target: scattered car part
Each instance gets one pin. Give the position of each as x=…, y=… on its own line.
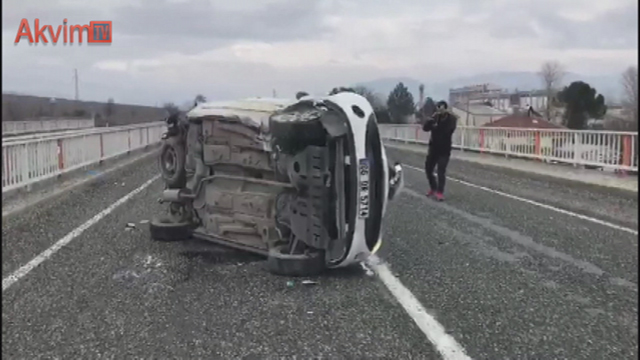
x=167, y=230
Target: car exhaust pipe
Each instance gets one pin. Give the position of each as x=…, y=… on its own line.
x=175, y=196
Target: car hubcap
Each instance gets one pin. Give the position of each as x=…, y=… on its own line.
x=170, y=160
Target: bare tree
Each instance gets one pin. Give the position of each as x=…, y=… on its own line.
x=171, y=108
x=630, y=100
x=200, y=99
x=551, y=74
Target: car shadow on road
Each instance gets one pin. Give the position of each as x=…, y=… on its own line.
x=214, y=254
x=210, y=253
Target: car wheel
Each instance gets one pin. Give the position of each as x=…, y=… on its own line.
x=172, y=161
x=166, y=230
x=279, y=262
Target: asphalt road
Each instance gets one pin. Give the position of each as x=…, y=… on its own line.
x=506, y=279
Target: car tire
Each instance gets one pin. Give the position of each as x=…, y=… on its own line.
x=279, y=262
x=172, y=161
x=165, y=230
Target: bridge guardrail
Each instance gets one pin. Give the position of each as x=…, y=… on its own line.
x=30, y=161
x=26, y=126
x=62, y=134
x=603, y=149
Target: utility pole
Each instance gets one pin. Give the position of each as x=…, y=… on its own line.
x=274, y=93
x=469, y=110
x=75, y=79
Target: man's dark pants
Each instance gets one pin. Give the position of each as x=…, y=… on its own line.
x=439, y=159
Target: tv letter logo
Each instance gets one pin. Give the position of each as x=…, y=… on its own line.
x=98, y=32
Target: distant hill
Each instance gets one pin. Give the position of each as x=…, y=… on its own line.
x=24, y=107
x=608, y=85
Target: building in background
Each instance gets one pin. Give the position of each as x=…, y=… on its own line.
x=484, y=103
x=497, y=97
x=617, y=118
x=523, y=121
x=475, y=94
x=476, y=114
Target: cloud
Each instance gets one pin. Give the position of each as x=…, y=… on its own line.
x=201, y=19
x=173, y=49
x=570, y=25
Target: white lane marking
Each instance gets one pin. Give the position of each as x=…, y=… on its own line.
x=74, y=183
x=445, y=344
x=25, y=269
x=535, y=203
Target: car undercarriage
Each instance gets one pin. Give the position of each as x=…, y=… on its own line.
x=279, y=181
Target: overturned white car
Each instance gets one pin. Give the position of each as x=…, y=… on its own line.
x=305, y=183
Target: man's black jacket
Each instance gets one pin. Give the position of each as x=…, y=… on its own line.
x=442, y=125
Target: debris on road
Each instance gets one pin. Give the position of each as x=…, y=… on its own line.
x=292, y=283
x=366, y=269
x=130, y=226
x=144, y=221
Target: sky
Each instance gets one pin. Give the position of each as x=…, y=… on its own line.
x=171, y=50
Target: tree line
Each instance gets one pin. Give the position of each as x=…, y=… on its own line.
x=399, y=105
x=579, y=101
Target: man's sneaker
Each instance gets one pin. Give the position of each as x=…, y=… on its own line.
x=439, y=196
x=431, y=193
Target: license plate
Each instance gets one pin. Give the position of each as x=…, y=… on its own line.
x=363, y=188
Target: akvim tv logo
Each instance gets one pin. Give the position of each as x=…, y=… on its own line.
x=98, y=32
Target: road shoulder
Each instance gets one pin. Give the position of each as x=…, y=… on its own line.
x=564, y=173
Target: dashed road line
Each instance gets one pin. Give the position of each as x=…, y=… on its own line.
x=535, y=203
x=444, y=343
x=25, y=269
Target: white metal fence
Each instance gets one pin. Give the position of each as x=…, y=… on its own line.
x=21, y=127
x=33, y=159
x=604, y=149
x=57, y=134
x=28, y=161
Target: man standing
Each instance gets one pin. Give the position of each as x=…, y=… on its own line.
x=442, y=124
